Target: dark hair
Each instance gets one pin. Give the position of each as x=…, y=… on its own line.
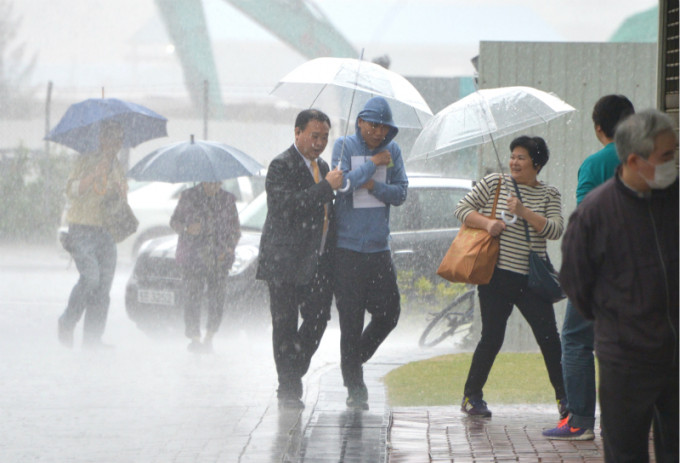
x=609, y=111
x=537, y=148
x=307, y=115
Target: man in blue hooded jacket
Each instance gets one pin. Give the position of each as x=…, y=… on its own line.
x=365, y=278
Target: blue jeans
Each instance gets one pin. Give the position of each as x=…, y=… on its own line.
x=94, y=253
x=578, y=367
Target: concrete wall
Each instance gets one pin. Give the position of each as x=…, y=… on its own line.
x=579, y=73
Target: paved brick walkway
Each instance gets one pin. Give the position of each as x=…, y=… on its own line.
x=512, y=434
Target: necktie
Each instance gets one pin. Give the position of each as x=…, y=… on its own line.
x=315, y=170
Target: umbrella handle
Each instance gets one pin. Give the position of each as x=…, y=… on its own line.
x=508, y=221
x=345, y=188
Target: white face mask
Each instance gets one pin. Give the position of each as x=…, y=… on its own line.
x=664, y=175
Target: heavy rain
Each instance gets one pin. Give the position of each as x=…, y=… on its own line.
x=208, y=69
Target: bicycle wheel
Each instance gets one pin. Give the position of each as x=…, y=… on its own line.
x=446, y=322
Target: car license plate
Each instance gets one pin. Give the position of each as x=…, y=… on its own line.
x=147, y=296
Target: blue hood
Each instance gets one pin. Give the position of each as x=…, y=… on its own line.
x=378, y=111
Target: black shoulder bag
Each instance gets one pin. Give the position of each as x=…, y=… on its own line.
x=544, y=281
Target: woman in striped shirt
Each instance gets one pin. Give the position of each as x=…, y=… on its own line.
x=541, y=209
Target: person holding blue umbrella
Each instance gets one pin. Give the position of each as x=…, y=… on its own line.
x=95, y=178
x=206, y=220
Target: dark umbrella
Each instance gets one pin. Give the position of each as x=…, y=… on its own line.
x=79, y=127
x=194, y=161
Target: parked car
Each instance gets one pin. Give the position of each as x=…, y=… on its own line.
x=422, y=231
x=154, y=202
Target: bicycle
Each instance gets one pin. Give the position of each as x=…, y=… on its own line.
x=457, y=315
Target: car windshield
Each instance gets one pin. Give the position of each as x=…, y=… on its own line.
x=427, y=209
x=253, y=215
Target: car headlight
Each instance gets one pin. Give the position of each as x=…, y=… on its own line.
x=244, y=256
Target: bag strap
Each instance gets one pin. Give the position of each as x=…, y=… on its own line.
x=526, y=227
x=495, y=199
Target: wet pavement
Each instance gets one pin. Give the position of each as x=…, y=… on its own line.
x=148, y=400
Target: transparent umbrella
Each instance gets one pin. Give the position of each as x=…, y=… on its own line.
x=341, y=86
x=485, y=115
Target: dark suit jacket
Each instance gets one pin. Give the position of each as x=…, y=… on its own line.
x=292, y=232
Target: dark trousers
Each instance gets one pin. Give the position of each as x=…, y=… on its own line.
x=496, y=299
x=94, y=252
x=364, y=282
x=578, y=368
x=203, y=286
x=631, y=397
x=294, y=346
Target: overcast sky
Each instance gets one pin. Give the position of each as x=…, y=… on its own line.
x=97, y=34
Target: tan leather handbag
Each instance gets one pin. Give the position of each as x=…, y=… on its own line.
x=472, y=256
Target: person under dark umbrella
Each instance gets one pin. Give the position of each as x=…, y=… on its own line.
x=94, y=178
x=207, y=222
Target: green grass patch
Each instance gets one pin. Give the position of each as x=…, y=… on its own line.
x=514, y=378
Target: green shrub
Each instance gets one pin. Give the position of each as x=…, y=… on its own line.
x=424, y=287
x=422, y=295
x=32, y=191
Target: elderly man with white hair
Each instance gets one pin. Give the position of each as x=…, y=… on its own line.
x=620, y=268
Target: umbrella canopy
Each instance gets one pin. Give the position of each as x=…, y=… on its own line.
x=194, y=161
x=484, y=115
x=334, y=85
x=79, y=127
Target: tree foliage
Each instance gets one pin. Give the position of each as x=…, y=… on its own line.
x=16, y=67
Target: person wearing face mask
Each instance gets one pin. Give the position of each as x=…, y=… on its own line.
x=620, y=269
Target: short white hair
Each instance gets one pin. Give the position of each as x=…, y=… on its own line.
x=636, y=134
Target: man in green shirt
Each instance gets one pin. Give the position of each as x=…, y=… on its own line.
x=578, y=364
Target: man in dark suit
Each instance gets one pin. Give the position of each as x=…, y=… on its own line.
x=295, y=260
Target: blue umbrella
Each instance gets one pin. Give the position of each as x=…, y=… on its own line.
x=79, y=127
x=194, y=161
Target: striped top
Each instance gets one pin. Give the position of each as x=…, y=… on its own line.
x=514, y=248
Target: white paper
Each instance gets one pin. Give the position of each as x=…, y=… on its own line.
x=362, y=198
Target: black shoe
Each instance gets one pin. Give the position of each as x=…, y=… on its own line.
x=64, y=334
x=475, y=407
x=357, y=404
x=291, y=403
x=358, y=397
x=289, y=388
